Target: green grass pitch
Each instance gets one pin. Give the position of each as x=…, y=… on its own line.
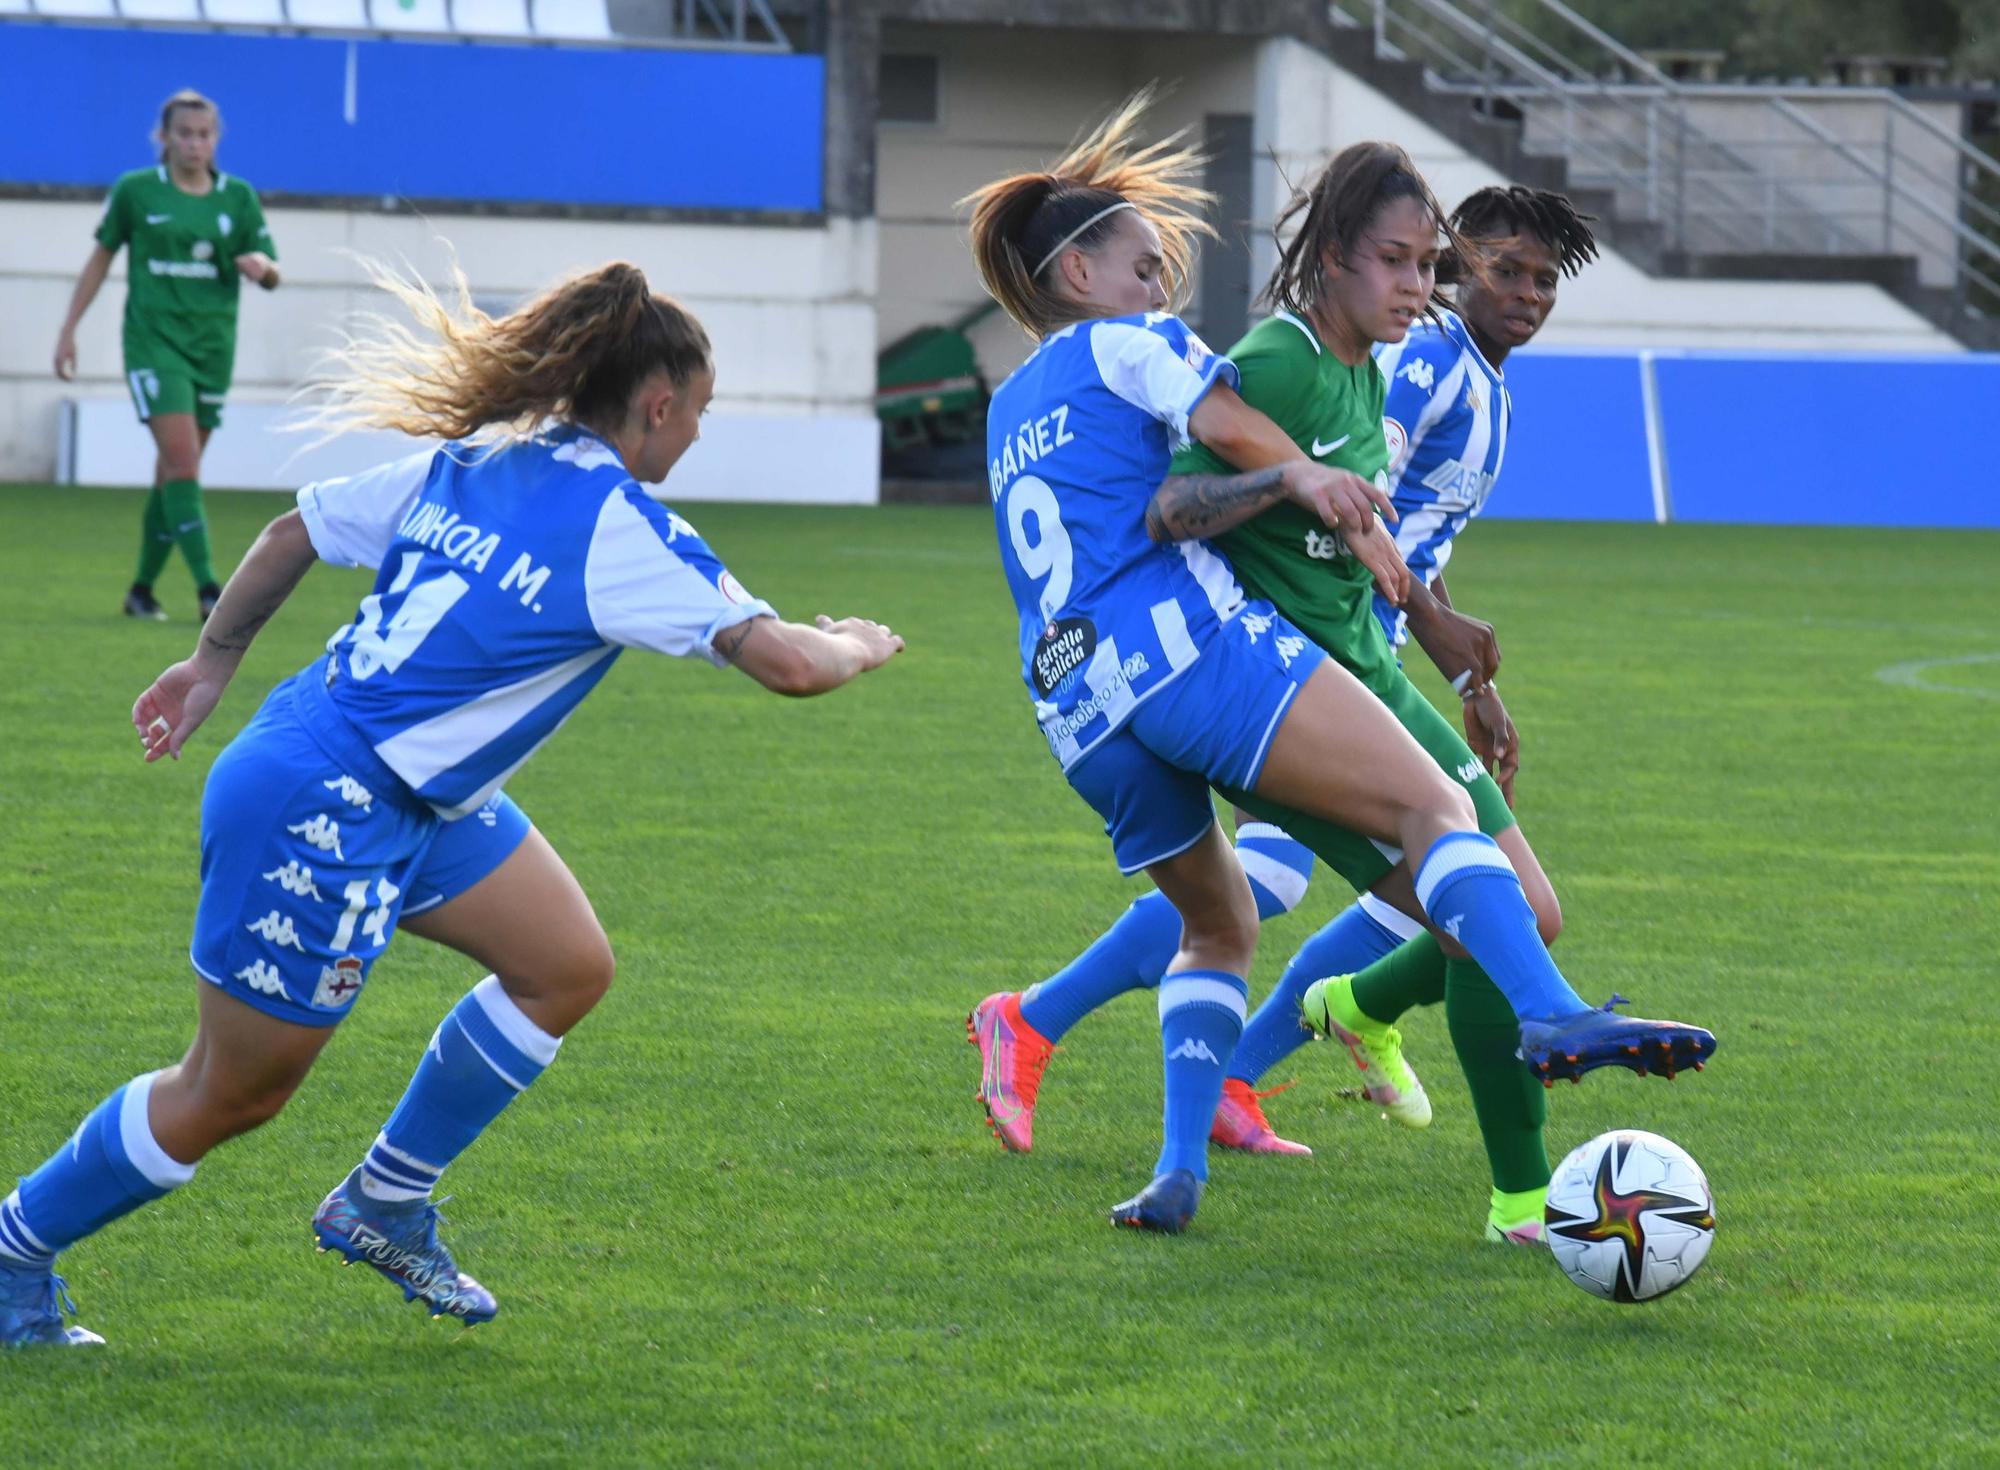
x=753, y=1214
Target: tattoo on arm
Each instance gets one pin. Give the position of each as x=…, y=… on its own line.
x=730, y=641
x=1187, y=507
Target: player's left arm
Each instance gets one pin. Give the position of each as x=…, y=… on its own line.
x=258, y=259
x=177, y=702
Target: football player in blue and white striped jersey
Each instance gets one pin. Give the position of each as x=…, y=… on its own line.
x=1448, y=409
x=514, y=565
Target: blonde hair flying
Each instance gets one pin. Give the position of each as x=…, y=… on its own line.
x=1023, y=224
x=576, y=351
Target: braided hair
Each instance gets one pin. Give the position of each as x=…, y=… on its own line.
x=1496, y=213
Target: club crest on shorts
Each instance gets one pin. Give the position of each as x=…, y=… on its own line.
x=339, y=983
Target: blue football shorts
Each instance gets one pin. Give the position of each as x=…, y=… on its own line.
x=1150, y=778
x=306, y=867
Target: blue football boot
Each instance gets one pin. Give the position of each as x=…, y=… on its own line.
x=1569, y=1046
x=32, y=1301
x=1165, y=1205
x=400, y=1240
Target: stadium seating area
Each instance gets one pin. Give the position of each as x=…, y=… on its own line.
x=577, y=20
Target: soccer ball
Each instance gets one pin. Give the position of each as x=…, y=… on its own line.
x=1629, y=1216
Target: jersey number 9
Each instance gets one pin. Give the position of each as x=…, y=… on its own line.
x=1049, y=554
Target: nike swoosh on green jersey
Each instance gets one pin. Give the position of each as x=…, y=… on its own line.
x=1319, y=448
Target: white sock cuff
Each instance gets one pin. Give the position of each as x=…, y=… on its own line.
x=1189, y=990
x=135, y=1132
x=1389, y=917
x=513, y=1023
x=1458, y=853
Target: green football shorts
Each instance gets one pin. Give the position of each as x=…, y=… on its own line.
x=163, y=380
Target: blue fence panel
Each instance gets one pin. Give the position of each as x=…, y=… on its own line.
x=427, y=120
x=1577, y=448
x=1848, y=441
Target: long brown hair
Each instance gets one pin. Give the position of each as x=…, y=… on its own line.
x=1334, y=208
x=1018, y=221
x=186, y=97
x=576, y=351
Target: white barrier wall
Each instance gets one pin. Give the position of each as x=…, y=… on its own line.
x=791, y=311
x=756, y=457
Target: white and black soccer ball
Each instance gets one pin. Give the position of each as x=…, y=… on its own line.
x=1630, y=1216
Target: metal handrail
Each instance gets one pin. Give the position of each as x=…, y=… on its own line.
x=1685, y=175
x=1672, y=210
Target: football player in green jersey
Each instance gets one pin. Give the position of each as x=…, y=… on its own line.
x=194, y=234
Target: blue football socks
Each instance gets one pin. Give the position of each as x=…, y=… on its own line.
x=109, y=1167
x=483, y=1054
x=1469, y=889
x=1201, y=1015
x=1135, y=951
x=1355, y=938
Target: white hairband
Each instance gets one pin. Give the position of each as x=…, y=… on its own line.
x=1065, y=242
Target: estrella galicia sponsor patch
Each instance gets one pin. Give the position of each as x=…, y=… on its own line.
x=1066, y=646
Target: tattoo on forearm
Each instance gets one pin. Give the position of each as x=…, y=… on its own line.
x=1191, y=506
x=235, y=639
x=731, y=640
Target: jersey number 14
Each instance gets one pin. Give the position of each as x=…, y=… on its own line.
x=372, y=646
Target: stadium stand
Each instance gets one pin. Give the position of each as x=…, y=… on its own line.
x=245, y=12
x=573, y=20
x=492, y=17
x=430, y=17
x=347, y=15
x=75, y=9
x=180, y=10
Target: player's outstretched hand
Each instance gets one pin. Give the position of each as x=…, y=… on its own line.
x=174, y=707
x=876, y=643
x=1489, y=730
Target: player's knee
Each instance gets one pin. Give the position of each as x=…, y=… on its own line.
x=1225, y=930
x=1443, y=806
x=233, y=1107
x=180, y=465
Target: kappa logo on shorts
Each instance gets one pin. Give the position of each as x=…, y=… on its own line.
x=322, y=832
x=262, y=978
x=352, y=792
x=1290, y=647
x=277, y=928
x=1193, y=1049
x=294, y=877
x=339, y=983
x=1256, y=625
